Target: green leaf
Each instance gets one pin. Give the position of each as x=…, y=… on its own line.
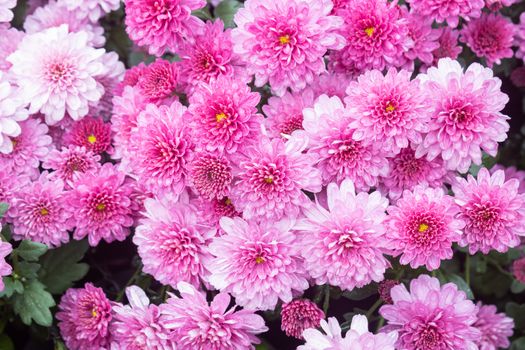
x=34, y=304
x=517, y=312
x=27, y=270
x=6, y=343
x=226, y=10
x=11, y=286
x=3, y=208
x=517, y=287
x=361, y=293
x=203, y=13
x=460, y=283
x=31, y=251
x=60, y=267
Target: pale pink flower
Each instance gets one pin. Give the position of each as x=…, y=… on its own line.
x=424, y=39
x=6, y=13
x=115, y=69
x=431, y=316
x=5, y=268
x=448, y=45
x=511, y=172
x=195, y=324
x=298, y=315
x=158, y=81
x=210, y=175
x=92, y=9
x=258, y=263
x=421, y=227
x=284, y=41
x=338, y=155
x=12, y=110
x=11, y=37
x=518, y=269
x=466, y=114
x=331, y=84
x=495, y=328
x=70, y=163
x=56, y=72
x=162, y=25
x=448, y=10
x=91, y=133
x=343, y=245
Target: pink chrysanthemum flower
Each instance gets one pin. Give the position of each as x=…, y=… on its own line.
x=209, y=56
x=90, y=133
x=140, y=325
x=5, y=268
x=431, y=316
x=298, y=315
x=520, y=38
x=130, y=78
x=421, y=227
x=466, y=114
x=388, y=109
x=100, y=205
x=56, y=72
x=495, y=328
x=407, y=171
x=518, y=269
x=490, y=37
x=271, y=178
x=172, y=243
x=11, y=37
x=198, y=325
x=211, y=211
x=162, y=25
x=376, y=36
x=357, y=337
x=339, y=156
x=83, y=318
x=6, y=13
x=55, y=14
x=163, y=148
x=210, y=175
x=158, y=81
x=331, y=84
x=284, y=41
x=518, y=77
x=12, y=110
x=40, y=212
x=285, y=113
x=343, y=245
x=448, y=10
x=258, y=263
x=493, y=210
x=448, y=45
x=384, y=289
x=424, y=38
x=29, y=148
x=9, y=185
x=114, y=73
x=224, y=115
x=70, y=163
x=92, y=9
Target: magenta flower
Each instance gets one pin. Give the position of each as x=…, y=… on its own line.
x=520, y=38
x=224, y=115
x=162, y=148
x=284, y=41
x=384, y=289
x=12, y=111
x=495, y=328
x=258, y=263
x=448, y=10
x=343, y=245
x=518, y=268
x=388, y=109
x=493, y=210
x=430, y=316
x=490, y=37
x=298, y=315
x=140, y=325
x=40, y=212
x=421, y=227
x=5, y=268
x=211, y=211
x=158, y=81
x=70, y=163
x=83, y=318
x=466, y=114
x=6, y=13
x=100, y=205
x=9, y=185
x=172, y=243
x=448, y=45
x=161, y=25
x=130, y=78
x=496, y=5
x=424, y=38
x=198, y=325
x=210, y=175
x=271, y=178
x=91, y=133
x=339, y=156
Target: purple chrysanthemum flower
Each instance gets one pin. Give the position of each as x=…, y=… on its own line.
x=495, y=328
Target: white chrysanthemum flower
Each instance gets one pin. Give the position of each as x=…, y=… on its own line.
x=92, y=9
x=11, y=111
x=6, y=13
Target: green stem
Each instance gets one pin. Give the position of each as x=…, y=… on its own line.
x=326, y=302
x=164, y=292
x=130, y=282
x=374, y=307
x=467, y=269
x=380, y=324
x=498, y=266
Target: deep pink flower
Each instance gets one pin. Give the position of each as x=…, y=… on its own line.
x=12, y=111
x=343, y=245
x=518, y=268
x=493, y=210
x=162, y=148
x=131, y=78
x=92, y=9
x=495, y=328
x=70, y=163
x=284, y=41
x=90, y=133
x=466, y=114
x=430, y=316
x=448, y=10
x=9, y=185
x=448, y=45
x=298, y=315
x=339, y=156
x=211, y=175
x=172, y=243
x=490, y=37
x=424, y=40
x=520, y=38
x=140, y=325
x=258, y=263
x=6, y=13
x=496, y=5
x=388, y=109
x=5, y=268
x=421, y=227
x=198, y=325
x=158, y=80
x=83, y=318
x=224, y=115
x=11, y=37
x=161, y=25
x=100, y=205
x=212, y=210
x=271, y=178
x=384, y=289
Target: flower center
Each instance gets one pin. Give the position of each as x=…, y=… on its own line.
x=389, y=107
x=92, y=139
x=370, y=31
x=100, y=207
x=284, y=39
x=228, y=201
x=44, y=212
x=94, y=313
x=269, y=179
x=422, y=227
x=219, y=117
x=259, y=260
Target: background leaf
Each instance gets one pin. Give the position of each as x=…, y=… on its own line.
x=34, y=304
x=226, y=10
x=31, y=251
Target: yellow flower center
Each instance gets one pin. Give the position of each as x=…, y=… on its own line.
x=422, y=227
x=100, y=207
x=92, y=139
x=284, y=39
x=390, y=107
x=259, y=260
x=94, y=313
x=370, y=31
x=268, y=180
x=228, y=201
x=219, y=117
x=44, y=212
